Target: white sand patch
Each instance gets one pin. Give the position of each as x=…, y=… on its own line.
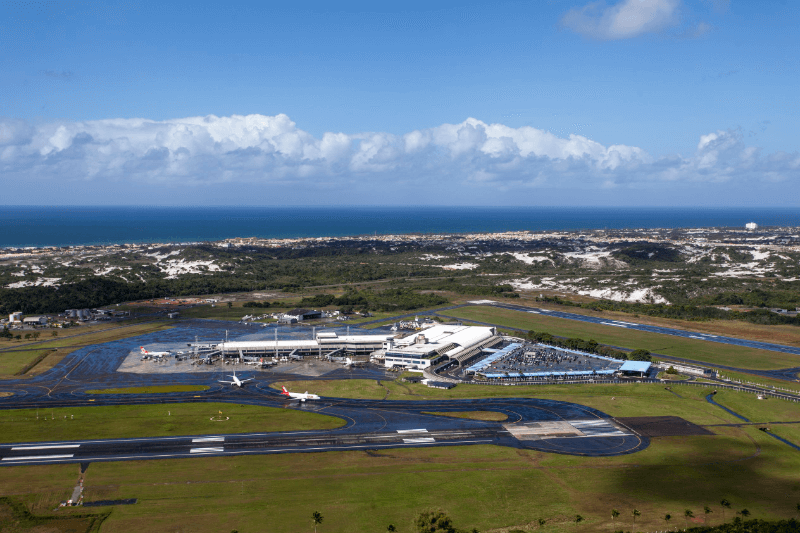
x=430, y=257
x=109, y=270
x=738, y=271
x=460, y=266
x=589, y=256
x=176, y=267
x=530, y=259
x=20, y=274
x=760, y=255
x=160, y=257
x=41, y=282
x=619, y=295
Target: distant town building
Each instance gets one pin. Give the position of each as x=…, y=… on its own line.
x=751, y=226
x=15, y=317
x=302, y=314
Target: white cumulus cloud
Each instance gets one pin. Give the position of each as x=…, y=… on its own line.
x=264, y=150
x=623, y=20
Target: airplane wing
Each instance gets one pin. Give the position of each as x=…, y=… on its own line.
x=228, y=382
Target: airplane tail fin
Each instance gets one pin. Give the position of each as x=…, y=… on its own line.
x=142, y=349
x=284, y=390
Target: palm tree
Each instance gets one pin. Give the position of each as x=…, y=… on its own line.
x=390, y=528
x=317, y=518
x=667, y=518
x=687, y=514
x=615, y=514
x=635, y=513
x=798, y=508
x=578, y=519
x=542, y=522
x=724, y=503
x=707, y=510
x=745, y=513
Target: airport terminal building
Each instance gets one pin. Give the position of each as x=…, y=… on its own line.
x=438, y=344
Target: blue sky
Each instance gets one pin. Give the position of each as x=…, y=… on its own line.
x=631, y=102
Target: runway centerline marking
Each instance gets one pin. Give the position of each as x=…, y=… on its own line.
x=422, y=440
x=207, y=450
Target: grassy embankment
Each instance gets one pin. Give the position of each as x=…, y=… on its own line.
x=486, y=487
x=18, y=361
x=126, y=421
x=699, y=350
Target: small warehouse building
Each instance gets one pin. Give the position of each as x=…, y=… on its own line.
x=302, y=314
x=35, y=321
x=635, y=368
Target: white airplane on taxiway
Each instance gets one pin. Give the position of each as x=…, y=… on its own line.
x=236, y=381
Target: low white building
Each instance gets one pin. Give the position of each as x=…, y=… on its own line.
x=438, y=343
x=35, y=321
x=15, y=317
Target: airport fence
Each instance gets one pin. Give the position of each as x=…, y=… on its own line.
x=726, y=386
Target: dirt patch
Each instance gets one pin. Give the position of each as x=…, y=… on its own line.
x=662, y=426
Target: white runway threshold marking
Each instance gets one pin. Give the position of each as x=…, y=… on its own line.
x=209, y=439
x=38, y=457
x=422, y=440
x=423, y=430
x=207, y=450
x=47, y=447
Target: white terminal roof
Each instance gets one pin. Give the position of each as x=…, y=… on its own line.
x=440, y=336
x=260, y=345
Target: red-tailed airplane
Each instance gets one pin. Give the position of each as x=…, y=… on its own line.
x=154, y=354
x=299, y=396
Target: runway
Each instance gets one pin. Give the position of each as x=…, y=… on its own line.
x=546, y=425
x=652, y=329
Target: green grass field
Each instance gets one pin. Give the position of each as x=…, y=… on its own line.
x=13, y=362
x=487, y=487
x=124, y=421
x=13, y=359
x=698, y=350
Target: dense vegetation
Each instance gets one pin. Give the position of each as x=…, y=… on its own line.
x=402, y=299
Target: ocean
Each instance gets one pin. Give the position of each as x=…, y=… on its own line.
x=22, y=226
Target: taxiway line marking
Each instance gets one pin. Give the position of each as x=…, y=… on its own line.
x=38, y=457
x=49, y=447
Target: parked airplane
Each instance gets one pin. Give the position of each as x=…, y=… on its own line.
x=236, y=381
x=154, y=354
x=299, y=396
